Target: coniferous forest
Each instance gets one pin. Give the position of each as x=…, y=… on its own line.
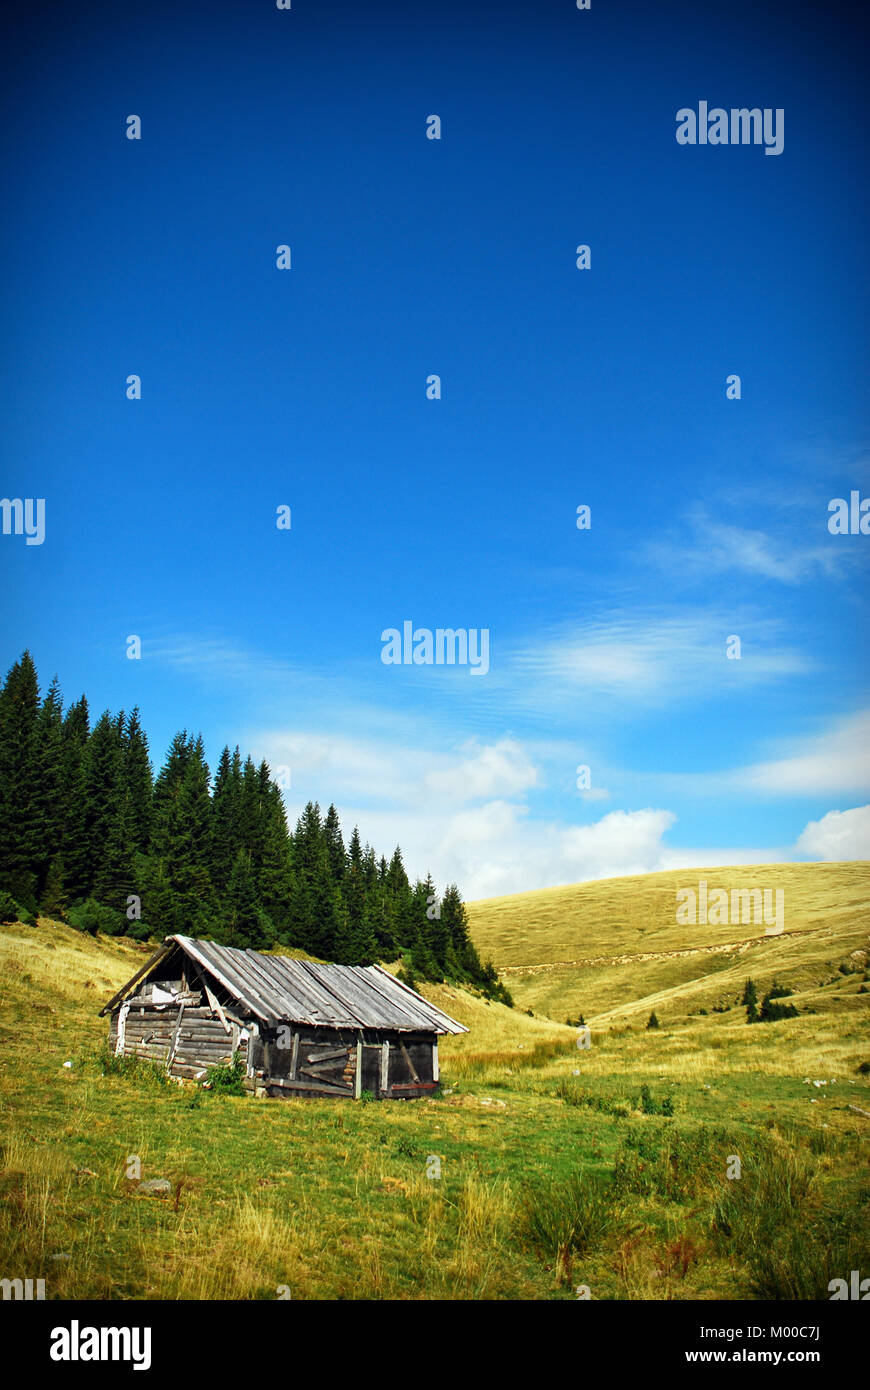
x=89, y=835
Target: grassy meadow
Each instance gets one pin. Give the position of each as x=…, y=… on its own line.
x=539, y=1170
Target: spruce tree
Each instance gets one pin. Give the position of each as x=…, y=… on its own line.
x=360, y=946
x=54, y=901
x=335, y=850
x=750, y=999
x=20, y=771
x=49, y=807
x=76, y=855
x=103, y=766
x=275, y=880
x=138, y=781
x=226, y=803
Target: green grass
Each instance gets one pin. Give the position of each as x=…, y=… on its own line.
x=547, y=1179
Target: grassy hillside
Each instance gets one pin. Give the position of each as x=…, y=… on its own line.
x=612, y=949
x=606, y=1167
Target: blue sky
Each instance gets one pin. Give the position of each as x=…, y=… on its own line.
x=560, y=387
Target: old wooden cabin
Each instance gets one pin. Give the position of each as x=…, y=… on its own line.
x=299, y=1028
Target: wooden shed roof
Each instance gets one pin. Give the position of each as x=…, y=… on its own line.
x=277, y=989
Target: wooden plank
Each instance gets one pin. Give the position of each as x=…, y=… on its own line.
x=385, y=1065
x=357, y=1089
x=213, y=1000
x=331, y=1064
x=322, y=1087
x=331, y=1071
x=435, y=1072
x=122, y=1024
x=407, y=1058
x=176, y=1035
x=321, y=1056
x=294, y=1054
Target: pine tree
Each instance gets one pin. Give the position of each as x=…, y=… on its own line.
x=275, y=879
x=20, y=769
x=103, y=767
x=242, y=914
x=138, y=781
x=54, y=903
x=250, y=832
x=750, y=999
x=360, y=946
x=436, y=932
x=49, y=809
x=335, y=851
x=225, y=817
x=167, y=788
x=76, y=856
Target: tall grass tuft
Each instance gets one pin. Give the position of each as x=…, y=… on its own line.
x=564, y=1219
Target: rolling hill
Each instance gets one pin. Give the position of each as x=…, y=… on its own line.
x=613, y=950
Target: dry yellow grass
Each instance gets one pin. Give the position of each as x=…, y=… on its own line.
x=613, y=950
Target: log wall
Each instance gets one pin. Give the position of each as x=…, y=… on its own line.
x=302, y=1061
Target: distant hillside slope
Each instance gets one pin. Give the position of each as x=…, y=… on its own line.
x=614, y=945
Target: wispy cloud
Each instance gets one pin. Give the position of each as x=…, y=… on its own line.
x=704, y=544
x=663, y=657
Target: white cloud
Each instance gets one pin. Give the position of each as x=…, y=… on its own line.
x=839, y=835
x=501, y=768
x=381, y=770
x=836, y=761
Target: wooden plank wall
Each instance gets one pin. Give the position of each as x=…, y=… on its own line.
x=314, y=1061
x=202, y=1041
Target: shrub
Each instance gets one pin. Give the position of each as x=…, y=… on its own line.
x=653, y=1021
x=671, y=1164
x=772, y=1011
x=650, y=1106
x=92, y=917
x=8, y=907
x=227, y=1079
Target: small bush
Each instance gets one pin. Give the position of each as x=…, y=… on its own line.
x=771, y=1011
x=227, y=1079
x=92, y=917
x=650, y=1106
x=8, y=907
x=653, y=1021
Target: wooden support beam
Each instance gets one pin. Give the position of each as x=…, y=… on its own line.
x=176, y=1035
x=158, y=955
x=407, y=1057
